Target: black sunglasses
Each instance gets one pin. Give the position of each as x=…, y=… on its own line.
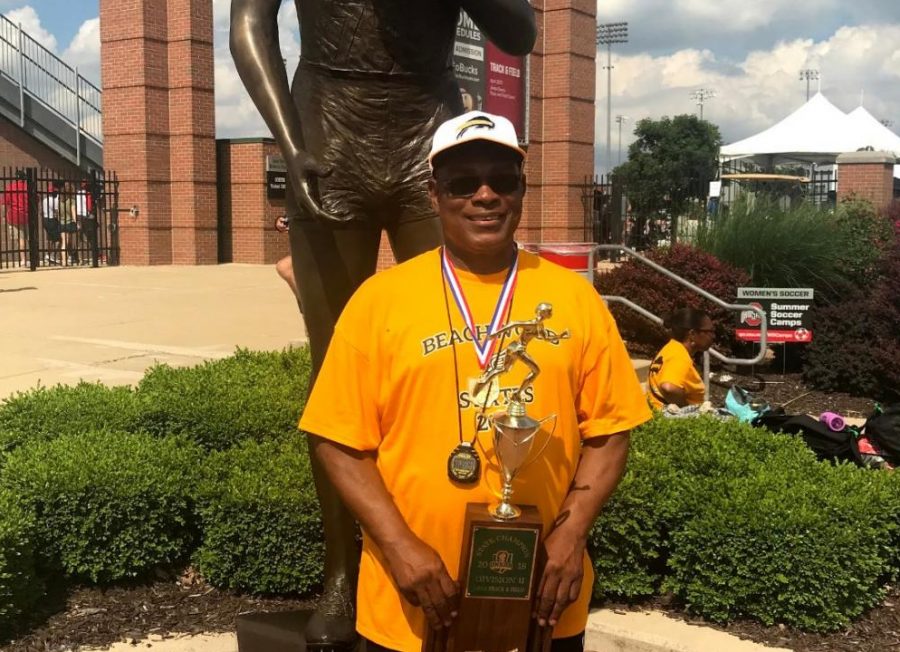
x=466, y=186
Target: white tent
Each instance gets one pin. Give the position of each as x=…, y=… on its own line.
x=815, y=133
x=873, y=133
x=876, y=135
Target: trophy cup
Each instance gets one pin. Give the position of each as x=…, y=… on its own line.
x=500, y=561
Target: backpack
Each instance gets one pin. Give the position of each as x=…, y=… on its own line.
x=822, y=440
x=883, y=427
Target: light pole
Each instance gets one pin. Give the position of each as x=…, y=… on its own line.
x=607, y=34
x=809, y=75
x=700, y=96
x=619, y=120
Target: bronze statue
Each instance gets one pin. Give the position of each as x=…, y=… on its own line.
x=374, y=81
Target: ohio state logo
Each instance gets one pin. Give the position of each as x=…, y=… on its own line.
x=750, y=317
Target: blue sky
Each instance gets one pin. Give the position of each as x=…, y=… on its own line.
x=749, y=52
x=62, y=18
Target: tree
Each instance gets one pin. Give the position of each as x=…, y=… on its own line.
x=670, y=164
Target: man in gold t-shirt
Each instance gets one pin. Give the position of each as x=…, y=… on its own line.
x=394, y=400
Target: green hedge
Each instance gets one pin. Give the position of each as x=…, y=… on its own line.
x=810, y=550
x=20, y=588
x=739, y=522
x=261, y=524
x=45, y=413
x=250, y=395
x=109, y=505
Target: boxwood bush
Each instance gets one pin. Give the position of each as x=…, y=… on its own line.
x=108, y=506
x=673, y=465
x=250, y=395
x=262, y=528
x=20, y=587
x=740, y=522
x=806, y=549
x=48, y=412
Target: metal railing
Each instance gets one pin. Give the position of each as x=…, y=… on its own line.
x=703, y=293
x=44, y=77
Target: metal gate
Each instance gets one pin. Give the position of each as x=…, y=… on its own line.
x=54, y=219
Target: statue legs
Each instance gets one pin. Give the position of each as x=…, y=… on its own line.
x=330, y=262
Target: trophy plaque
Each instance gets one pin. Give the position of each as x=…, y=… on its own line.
x=501, y=560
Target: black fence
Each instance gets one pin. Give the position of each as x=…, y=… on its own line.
x=638, y=219
x=53, y=219
x=788, y=184
x=644, y=218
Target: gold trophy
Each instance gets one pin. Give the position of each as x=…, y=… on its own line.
x=514, y=430
x=499, y=564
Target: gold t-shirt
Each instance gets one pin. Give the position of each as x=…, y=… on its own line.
x=673, y=365
x=388, y=384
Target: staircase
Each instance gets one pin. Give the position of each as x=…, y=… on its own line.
x=48, y=99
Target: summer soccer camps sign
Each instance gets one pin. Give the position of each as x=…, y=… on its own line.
x=787, y=310
x=489, y=79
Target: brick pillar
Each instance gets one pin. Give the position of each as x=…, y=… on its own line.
x=158, y=126
x=866, y=175
x=134, y=69
x=192, y=131
x=561, y=129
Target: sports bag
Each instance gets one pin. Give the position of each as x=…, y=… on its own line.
x=883, y=427
x=822, y=440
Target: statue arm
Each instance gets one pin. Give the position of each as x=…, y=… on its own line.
x=255, y=48
x=510, y=24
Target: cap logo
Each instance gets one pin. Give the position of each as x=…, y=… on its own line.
x=478, y=122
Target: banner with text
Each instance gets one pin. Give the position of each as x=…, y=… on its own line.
x=489, y=79
x=787, y=313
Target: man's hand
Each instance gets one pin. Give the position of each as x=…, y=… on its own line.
x=562, y=577
x=423, y=580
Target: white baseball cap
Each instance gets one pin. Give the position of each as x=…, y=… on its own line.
x=471, y=126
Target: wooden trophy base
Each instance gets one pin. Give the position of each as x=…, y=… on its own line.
x=498, y=571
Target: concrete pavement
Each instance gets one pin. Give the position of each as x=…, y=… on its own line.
x=110, y=324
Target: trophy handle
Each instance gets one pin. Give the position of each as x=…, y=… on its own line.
x=537, y=455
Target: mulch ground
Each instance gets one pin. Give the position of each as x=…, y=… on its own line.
x=83, y=617
x=87, y=617
x=789, y=390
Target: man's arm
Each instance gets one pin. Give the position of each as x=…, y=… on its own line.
x=509, y=24
x=597, y=476
x=417, y=569
x=255, y=48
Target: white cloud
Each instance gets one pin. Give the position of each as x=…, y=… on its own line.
x=236, y=115
x=31, y=23
x=758, y=90
x=84, y=50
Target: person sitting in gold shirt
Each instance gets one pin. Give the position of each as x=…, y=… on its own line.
x=673, y=378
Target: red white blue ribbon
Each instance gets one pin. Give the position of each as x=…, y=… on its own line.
x=484, y=349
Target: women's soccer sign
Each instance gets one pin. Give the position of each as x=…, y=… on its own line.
x=787, y=314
